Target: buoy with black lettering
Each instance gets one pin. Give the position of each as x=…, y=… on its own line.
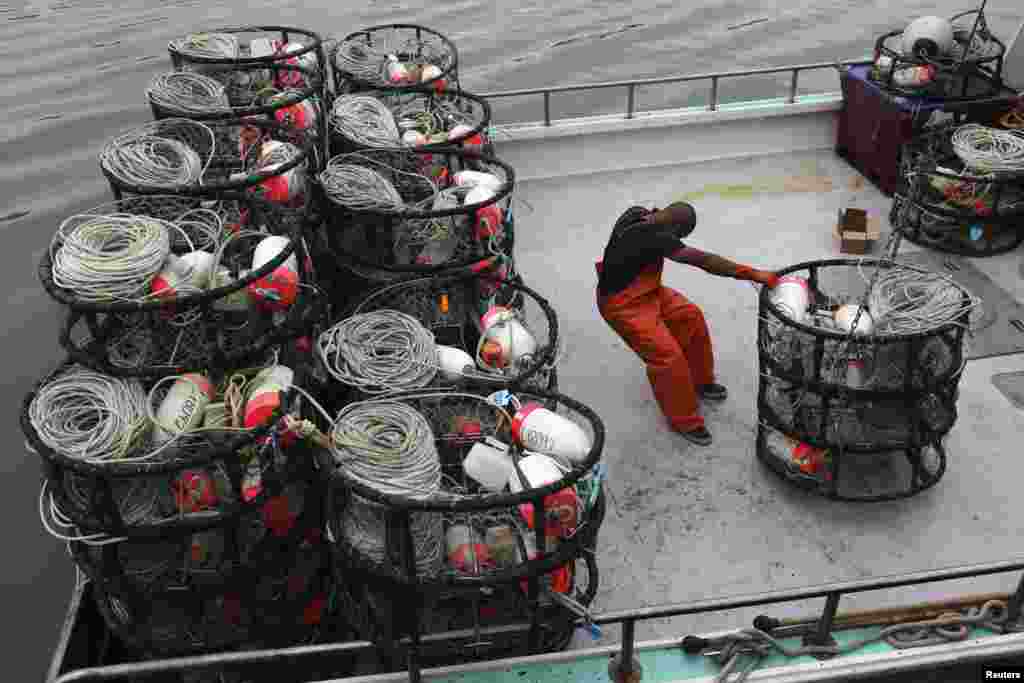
x=265, y=394
x=183, y=275
x=453, y=362
x=536, y=428
x=504, y=340
x=183, y=407
x=278, y=289
x=561, y=508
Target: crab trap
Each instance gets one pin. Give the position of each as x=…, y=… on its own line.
x=420, y=119
x=290, y=95
x=396, y=58
x=265, y=46
x=954, y=60
x=452, y=530
x=415, y=210
x=207, y=160
x=977, y=237
x=123, y=458
x=854, y=401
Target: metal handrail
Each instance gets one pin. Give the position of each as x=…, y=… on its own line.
x=633, y=84
x=832, y=592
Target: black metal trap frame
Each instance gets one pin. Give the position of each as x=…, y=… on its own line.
x=275, y=92
x=432, y=115
x=416, y=238
x=972, y=70
x=859, y=418
x=310, y=56
x=400, y=591
x=410, y=43
x=449, y=307
x=977, y=238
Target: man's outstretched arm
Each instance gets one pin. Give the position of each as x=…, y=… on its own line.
x=716, y=265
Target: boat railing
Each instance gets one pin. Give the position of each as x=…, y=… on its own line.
x=631, y=86
x=821, y=632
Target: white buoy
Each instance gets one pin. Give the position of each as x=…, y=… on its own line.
x=183, y=275
x=466, y=552
x=277, y=290
x=844, y=316
x=458, y=131
x=265, y=394
x=480, y=193
x=183, y=407
x=414, y=138
x=538, y=429
x=930, y=35
x=430, y=72
x=453, y=362
x=489, y=465
x=561, y=507
x=792, y=296
x=504, y=341
x=474, y=178
x=397, y=72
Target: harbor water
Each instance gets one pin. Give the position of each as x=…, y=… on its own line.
x=73, y=74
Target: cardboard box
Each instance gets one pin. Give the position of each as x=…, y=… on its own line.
x=857, y=231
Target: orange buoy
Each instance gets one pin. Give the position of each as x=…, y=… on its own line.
x=466, y=552
x=561, y=507
x=183, y=275
x=278, y=289
x=265, y=394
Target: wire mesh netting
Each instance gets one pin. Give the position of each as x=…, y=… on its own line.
x=971, y=68
x=981, y=236
x=873, y=406
x=395, y=57
x=417, y=210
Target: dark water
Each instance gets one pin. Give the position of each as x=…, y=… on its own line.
x=72, y=74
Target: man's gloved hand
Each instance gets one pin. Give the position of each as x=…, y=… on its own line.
x=766, y=278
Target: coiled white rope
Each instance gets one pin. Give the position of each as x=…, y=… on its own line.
x=147, y=158
x=379, y=352
x=911, y=301
x=362, y=61
x=365, y=120
x=989, y=150
x=187, y=93
x=388, y=446
x=215, y=45
x=360, y=188
x=109, y=258
x=91, y=417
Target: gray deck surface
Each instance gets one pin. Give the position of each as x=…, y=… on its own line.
x=687, y=523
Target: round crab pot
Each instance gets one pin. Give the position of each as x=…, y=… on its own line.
x=161, y=486
x=978, y=237
x=442, y=208
x=177, y=323
x=862, y=416
x=264, y=46
x=395, y=57
x=422, y=119
x=971, y=69
x=211, y=159
x=290, y=95
x=470, y=547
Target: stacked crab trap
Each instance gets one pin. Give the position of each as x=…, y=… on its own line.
x=859, y=367
x=168, y=466
x=964, y=190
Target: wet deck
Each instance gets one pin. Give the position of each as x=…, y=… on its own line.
x=686, y=522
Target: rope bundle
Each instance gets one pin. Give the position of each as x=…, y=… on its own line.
x=389, y=447
x=909, y=301
x=109, y=258
x=365, y=120
x=359, y=188
x=361, y=61
x=206, y=45
x=89, y=416
x=147, y=158
x=989, y=150
x=186, y=94
x=379, y=352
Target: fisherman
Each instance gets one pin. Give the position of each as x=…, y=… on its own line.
x=663, y=327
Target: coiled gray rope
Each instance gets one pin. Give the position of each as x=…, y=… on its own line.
x=379, y=352
x=989, y=150
x=911, y=301
x=215, y=45
x=109, y=258
x=186, y=94
x=389, y=447
x=360, y=188
x=88, y=416
x=365, y=120
x=146, y=157
x=361, y=61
